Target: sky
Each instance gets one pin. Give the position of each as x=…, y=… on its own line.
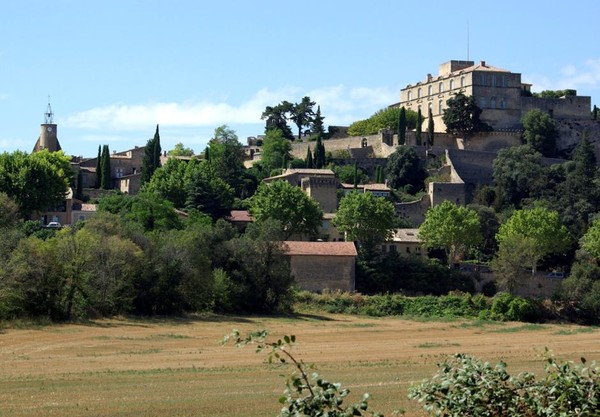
x=114, y=69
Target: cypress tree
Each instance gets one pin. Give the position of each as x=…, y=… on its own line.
x=309, y=158
x=355, y=175
x=430, y=128
x=418, y=127
x=151, y=159
x=106, y=174
x=156, y=151
x=98, y=169
x=595, y=113
x=318, y=123
x=207, y=154
x=402, y=126
x=319, y=159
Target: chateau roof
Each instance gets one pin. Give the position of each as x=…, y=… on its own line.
x=482, y=66
x=320, y=248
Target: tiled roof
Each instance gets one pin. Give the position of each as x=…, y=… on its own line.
x=320, y=248
x=407, y=235
x=89, y=207
x=376, y=187
x=240, y=216
x=482, y=67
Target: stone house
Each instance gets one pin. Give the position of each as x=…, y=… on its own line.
x=320, y=266
x=405, y=242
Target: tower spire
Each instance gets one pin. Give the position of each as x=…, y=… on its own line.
x=48, y=116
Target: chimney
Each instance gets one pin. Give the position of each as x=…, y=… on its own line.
x=429, y=77
x=483, y=63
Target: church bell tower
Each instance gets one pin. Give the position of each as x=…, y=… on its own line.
x=48, y=136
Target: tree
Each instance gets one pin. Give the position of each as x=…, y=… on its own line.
x=302, y=114
x=181, y=150
x=461, y=116
x=227, y=158
x=515, y=256
x=346, y=174
x=595, y=113
x=35, y=182
x=387, y=118
x=171, y=180
x=418, y=127
x=308, y=162
x=275, y=150
x=430, y=128
x=106, y=177
x=540, y=132
x=276, y=119
x=403, y=168
x=540, y=225
x=365, y=218
x=452, y=228
x=9, y=211
x=402, y=126
x=297, y=212
x=317, y=123
x=590, y=242
x=208, y=193
x=319, y=161
x=518, y=174
x=99, y=168
x=151, y=160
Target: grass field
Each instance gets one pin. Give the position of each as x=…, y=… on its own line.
x=124, y=367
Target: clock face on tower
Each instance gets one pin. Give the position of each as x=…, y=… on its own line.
x=49, y=128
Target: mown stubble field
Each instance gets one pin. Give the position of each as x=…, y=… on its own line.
x=174, y=368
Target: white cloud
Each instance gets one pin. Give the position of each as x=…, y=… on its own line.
x=571, y=76
x=339, y=104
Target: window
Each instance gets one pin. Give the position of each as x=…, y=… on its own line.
x=482, y=79
x=441, y=87
x=430, y=90
x=419, y=92
x=482, y=103
x=431, y=107
x=451, y=84
x=440, y=106
x=502, y=103
x=462, y=81
x=494, y=80
x=504, y=83
x=493, y=102
x=409, y=95
x=392, y=248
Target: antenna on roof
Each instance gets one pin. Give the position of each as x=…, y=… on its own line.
x=467, y=40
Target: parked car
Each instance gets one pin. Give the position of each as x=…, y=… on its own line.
x=54, y=225
x=555, y=274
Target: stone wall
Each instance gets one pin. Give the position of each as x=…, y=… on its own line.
x=317, y=273
x=570, y=107
x=413, y=211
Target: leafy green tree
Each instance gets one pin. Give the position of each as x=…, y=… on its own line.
x=418, y=128
x=540, y=132
x=99, y=168
x=9, y=212
x=461, y=116
x=276, y=119
x=430, y=128
x=308, y=162
x=35, y=182
x=171, y=180
x=402, y=126
x=275, y=150
x=317, y=123
x=181, y=150
x=106, y=178
x=302, y=114
x=365, y=218
x=540, y=225
x=209, y=193
x=518, y=174
x=345, y=173
x=296, y=211
x=151, y=160
x=387, y=118
x=453, y=228
x=515, y=256
x=590, y=242
x=227, y=158
x=403, y=168
x=581, y=289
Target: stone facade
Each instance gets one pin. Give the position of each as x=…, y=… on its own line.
x=319, y=184
x=322, y=266
x=126, y=168
x=501, y=95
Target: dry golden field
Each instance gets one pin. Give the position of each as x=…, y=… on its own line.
x=124, y=367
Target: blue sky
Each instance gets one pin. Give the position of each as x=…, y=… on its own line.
x=114, y=69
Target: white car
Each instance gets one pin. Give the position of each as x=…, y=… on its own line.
x=54, y=225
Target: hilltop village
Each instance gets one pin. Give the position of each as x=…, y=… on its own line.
x=417, y=171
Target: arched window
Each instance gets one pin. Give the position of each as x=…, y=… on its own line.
x=502, y=103
x=441, y=87
x=419, y=92
x=409, y=95
x=451, y=84
x=430, y=107
x=429, y=90
x=462, y=81
x=493, y=102
x=440, y=106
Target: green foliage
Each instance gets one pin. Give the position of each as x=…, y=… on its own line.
x=302, y=114
x=151, y=160
x=296, y=212
x=275, y=150
x=319, y=157
x=105, y=173
x=404, y=168
x=590, y=242
x=402, y=126
x=418, y=128
x=461, y=116
x=555, y=93
x=452, y=228
x=308, y=162
x=317, y=126
x=227, y=161
x=309, y=396
x=508, y=307
x=276, y=119
x=99, y=167
x=209, y=193
x=466, y=386
x=180, y=150
x=540, y=132
x=581, y=290
x=345, y=173
x=365, y=218
x=515, y=261
x=430, y=129
x=387, y=118
x=35, y=182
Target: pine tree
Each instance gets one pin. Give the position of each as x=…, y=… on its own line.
x=317, y=123
x=430, y=128
x=151, y=159
x=418, y=127
x=309, y=159
x=106, y=174
x=402, y=126
x=98, y=169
